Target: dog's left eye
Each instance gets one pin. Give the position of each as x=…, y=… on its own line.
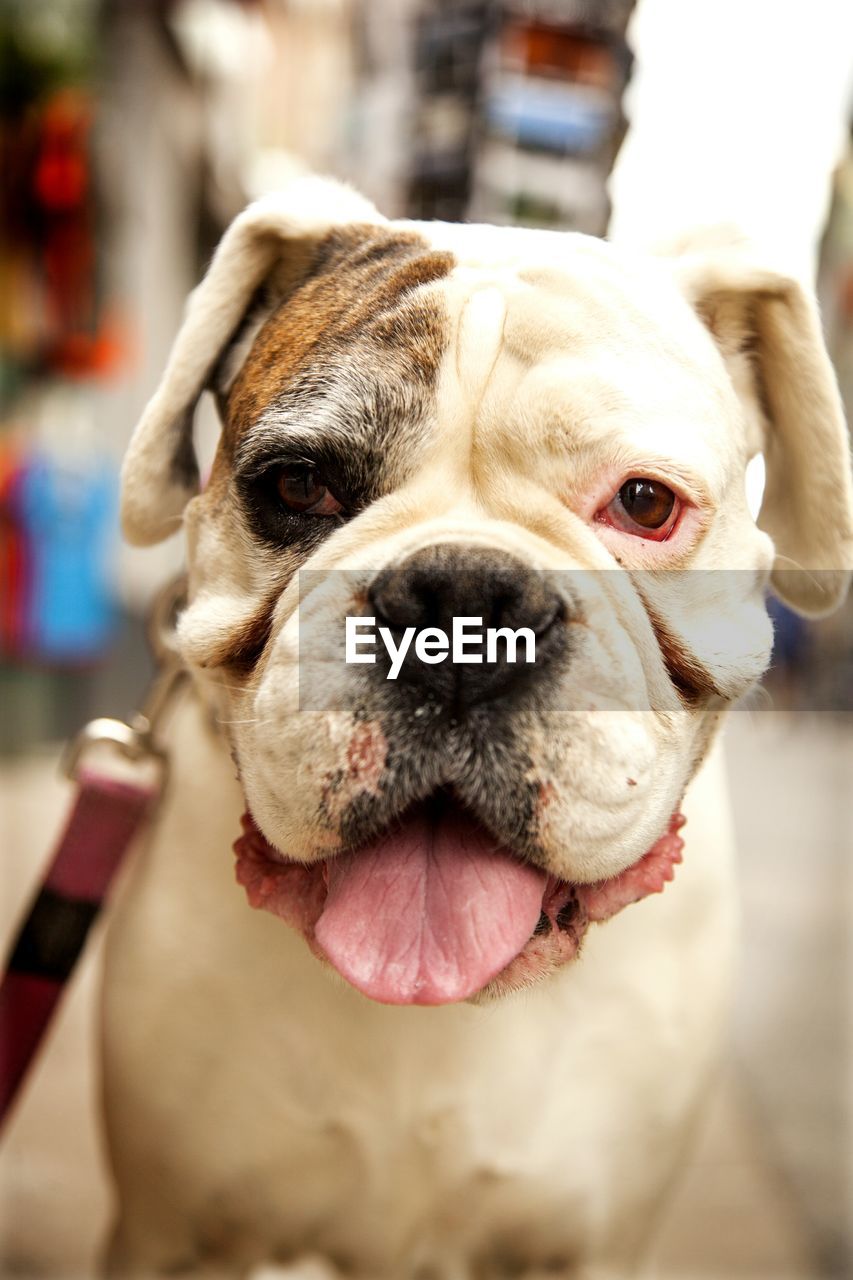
x=303, y=491
x=644, y=507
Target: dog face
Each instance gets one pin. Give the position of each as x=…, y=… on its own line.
x=424, y=422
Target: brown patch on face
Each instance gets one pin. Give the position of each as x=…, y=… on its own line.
x=353, y=310
x=692, y=682
x=356, y=292
x=241, y=652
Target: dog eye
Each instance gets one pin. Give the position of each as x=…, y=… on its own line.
x=644, y=507
x=302, y=490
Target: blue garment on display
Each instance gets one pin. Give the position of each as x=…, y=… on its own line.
x=69, y=514
x=559, y=117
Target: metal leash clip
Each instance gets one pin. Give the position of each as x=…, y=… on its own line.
x=135, y=739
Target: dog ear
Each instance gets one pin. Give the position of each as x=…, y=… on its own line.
x=268, y=247
x=768, y=331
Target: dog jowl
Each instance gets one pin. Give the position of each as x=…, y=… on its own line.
x=423, y=424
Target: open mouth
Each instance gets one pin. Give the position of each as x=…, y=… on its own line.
x=435, y=910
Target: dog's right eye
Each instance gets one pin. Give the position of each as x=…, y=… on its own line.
x=302, y=490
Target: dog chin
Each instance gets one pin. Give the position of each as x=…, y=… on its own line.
x=435, y=910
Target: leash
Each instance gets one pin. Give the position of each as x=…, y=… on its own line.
x=110, y=807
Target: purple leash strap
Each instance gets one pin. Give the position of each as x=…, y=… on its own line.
x=106, y=815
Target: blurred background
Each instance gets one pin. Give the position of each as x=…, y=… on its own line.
x=131, y=132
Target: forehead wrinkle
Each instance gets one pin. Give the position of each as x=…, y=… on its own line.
x=626, y=311
x=569, y=395
x=476, y=309
x=561, y=414
x=479, y=338
x=562, y=408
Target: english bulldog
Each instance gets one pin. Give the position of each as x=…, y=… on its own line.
x=433, y=1017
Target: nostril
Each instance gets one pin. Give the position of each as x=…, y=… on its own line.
x=376, y=602
x=393, y=601
x=531, y=605
x=408, y=597
x=553, y=612
x=431, y=609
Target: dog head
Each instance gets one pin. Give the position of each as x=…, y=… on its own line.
x=423, y=423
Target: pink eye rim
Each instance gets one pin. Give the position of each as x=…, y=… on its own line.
x=657, y=506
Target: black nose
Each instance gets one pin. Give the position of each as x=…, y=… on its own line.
x=449, y=581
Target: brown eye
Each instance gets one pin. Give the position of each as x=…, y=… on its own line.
x=302, y=490
x=648, y=502
x=643, y=507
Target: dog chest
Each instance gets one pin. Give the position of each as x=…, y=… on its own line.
x=284, y=1111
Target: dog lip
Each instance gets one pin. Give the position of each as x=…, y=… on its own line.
x=297, y=892
x=557, y=890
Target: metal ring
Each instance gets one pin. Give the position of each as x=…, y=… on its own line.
x=130, y=742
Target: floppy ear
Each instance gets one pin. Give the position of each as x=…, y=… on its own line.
x=768, y=331
x=271, y=244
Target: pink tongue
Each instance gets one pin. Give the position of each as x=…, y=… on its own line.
x=428, y=914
